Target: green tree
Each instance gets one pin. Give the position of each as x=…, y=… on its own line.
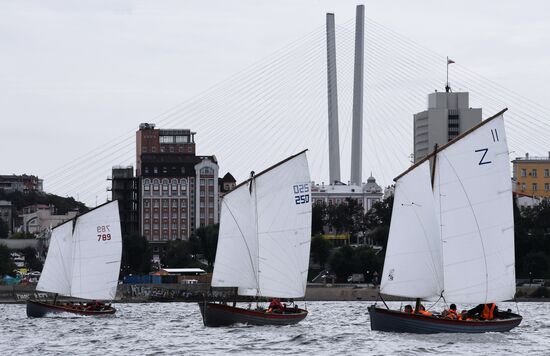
x=177, y=254
x=208, y=238
x=4, y=229
x=342, y=262
x=318, y=218
x=380, y=213
x=31, y=260
x=320, y=250
x=136, y=255
x=532, y=240
x=6, y=264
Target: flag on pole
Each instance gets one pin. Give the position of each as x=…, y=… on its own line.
x=450, y=61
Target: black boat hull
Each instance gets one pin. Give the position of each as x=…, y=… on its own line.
x=36, y=309
x=396, y=321
x=214, y=314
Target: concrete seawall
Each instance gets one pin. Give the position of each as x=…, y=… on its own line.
x=143, y=293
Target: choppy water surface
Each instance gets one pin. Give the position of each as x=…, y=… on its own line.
x=332, y=328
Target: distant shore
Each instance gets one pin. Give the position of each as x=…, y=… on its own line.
x=150, y=293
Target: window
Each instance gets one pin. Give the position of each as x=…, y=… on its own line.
x=546, y=186
x=211, y=182
x=534, y=186
x=174, y=203
x=523, y=187
x=202, y=182
x=534, y=172
x=546, y=173
x=182, y=139
x=524, y=172
x=166, y=139
x=146, y=203
x=165, y=203
x=144, y=149
x=156, y=203
x=155, y=215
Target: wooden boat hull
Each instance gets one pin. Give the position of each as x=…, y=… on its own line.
x=396, y=321
x=36, y=309
x=214, y=314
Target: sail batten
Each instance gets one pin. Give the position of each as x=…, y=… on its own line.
x=265, y=233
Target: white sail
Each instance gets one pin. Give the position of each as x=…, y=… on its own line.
x=57, y=272
x=97, y=253
x=472, y=189
x=283, y=199
x=265, y=233
x=413, y=264
x=237, y=252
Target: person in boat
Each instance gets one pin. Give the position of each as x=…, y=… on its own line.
x=275, y=305
x=451, y=313
x=408, y=309
x=464, y=315
x=485, y=311
x=422, y=310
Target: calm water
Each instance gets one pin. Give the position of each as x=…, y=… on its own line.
x=332, y=328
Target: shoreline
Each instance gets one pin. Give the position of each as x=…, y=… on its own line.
x=162, y=293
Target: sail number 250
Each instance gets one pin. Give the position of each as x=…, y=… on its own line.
x=300, y=198
x=103, y=233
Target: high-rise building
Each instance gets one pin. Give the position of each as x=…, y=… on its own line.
x=178, y=190
x=531, y=176
x=124, y=188
x=448, y=115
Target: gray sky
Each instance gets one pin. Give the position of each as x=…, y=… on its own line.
x=76, y=75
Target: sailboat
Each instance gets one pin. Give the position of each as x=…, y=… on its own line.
x=83, y=261
x=452, y=234
x=263, y=245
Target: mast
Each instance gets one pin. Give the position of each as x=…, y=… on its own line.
x=417, y=308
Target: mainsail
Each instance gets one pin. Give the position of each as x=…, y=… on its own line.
x=469, y=257
x=473, y=194
x=84, y=256
x=265, y=233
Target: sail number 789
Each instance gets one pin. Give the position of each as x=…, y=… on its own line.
x=103, y=233
x=299, y=196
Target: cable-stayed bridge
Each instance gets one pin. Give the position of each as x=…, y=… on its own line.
x=278, y=107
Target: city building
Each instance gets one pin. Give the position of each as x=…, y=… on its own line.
x=531, y=176
x=366, y=195
x=22, y=183
x=226, y=184
x=449, y=115
x=40, y=219
x=124, y=188
x=6, y=214
x=178, y=190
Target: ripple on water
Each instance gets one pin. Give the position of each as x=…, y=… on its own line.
x=176, y=328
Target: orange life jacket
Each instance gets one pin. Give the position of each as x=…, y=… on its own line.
x=425, y=312
x=487, y=313
x=451, y=314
